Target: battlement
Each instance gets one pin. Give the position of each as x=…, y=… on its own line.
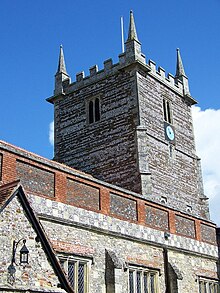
x=130, y=58
x=110, y=68
x=168, y=79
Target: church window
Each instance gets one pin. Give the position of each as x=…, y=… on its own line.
x=142, y=280
x=167, y=111
x=97, y=110
x=94, y=110
x=77, y=270
x=208, y=285
x=91, y=114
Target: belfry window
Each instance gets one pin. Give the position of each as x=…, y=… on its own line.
x=167, y=111
x=91, y=114
x=94, y=110
x=142, y=280
x=97, y=110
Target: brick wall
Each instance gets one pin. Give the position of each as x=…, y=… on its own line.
x=83, y=195
x=35, y=179
x=208, y=234
x=76, y=188
x=185, y=226
x=157, y=218
x=123, y=207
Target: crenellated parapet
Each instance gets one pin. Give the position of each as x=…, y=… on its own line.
x=131, y=57
x=109, y=68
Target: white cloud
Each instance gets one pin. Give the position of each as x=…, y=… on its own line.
x=207, y=135
x=51, y=133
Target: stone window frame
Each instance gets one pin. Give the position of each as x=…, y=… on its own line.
x=140, y=279
x=208, y=285
x=75, y=262
x=167, y=111
x=93, y=110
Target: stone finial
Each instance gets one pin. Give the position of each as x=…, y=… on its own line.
x=61, y=64
x=132, y=34
x=180, y=74
x=179, y=65
x=61, y=76
x=132, y=45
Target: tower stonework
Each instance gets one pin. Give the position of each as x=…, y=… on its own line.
x=131, y=125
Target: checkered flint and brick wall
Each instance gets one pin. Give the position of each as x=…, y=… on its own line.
x=60, y=183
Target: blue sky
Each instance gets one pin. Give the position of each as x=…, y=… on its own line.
x=32, y=31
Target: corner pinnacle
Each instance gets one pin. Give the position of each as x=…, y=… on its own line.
x=61, y=64
x=132, y=34
x=179, y=65
x=180, y=75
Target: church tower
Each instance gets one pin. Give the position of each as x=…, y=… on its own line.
x=131, y=125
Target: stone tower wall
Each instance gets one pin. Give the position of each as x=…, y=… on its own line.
x=106, y=148
x=128, y=146
x=174, y=169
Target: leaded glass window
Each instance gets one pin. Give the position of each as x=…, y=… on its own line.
x=142, y=280
x=208, y=285
x=77, y=270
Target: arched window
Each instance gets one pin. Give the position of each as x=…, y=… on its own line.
x=91, y=115
x=94, y=114
x=97, y=110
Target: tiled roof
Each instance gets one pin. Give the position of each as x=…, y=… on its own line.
x=6, y=191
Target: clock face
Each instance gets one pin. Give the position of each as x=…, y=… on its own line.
x=170, y=133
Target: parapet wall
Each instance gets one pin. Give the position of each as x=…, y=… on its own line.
x=62, y=184
x=110, y=68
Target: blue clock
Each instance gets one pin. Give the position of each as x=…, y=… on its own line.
x=170, y=132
